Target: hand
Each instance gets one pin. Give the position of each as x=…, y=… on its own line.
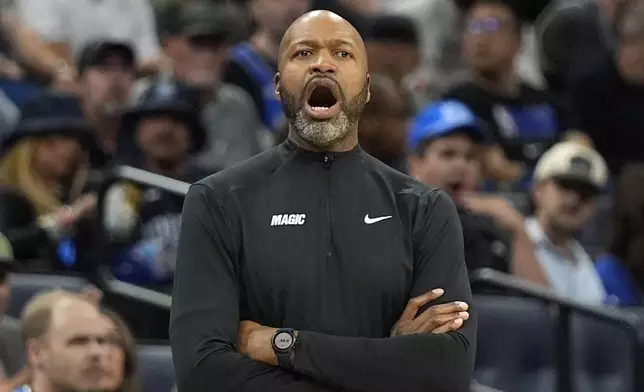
x=255, y=341
x=85, y=205
x=67, y=216
x=93, y=294
x=437, y=319
x=496, y=208
x=65, y=80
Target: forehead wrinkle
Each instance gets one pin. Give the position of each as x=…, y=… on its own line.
x=310, y=17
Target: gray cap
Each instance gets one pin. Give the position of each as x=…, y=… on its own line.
x=220, y=21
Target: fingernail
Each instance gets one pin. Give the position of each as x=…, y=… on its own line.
x=458, y=321
x=464, y=315
x=462, y=305
x=438, y=291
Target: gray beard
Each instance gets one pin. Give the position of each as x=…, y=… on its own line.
x=322, y=133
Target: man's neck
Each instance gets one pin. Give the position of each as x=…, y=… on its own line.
x=105, y=129
x=504, y=83
x=175, y=171
x=265, y=44
x=347, y=144
x=40, y=383
x=558, y=238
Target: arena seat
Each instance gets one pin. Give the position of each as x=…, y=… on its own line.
x=156, y=371
x=602, y=356
x=26, y=285
x=515, y=350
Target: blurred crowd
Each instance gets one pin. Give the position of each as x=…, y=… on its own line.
x=527, y=115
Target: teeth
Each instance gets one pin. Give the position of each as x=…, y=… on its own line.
x=319, y=108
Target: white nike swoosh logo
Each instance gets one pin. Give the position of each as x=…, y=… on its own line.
x=371, y=221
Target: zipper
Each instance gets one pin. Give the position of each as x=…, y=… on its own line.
x=328, y=163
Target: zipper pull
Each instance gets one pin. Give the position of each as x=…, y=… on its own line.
x=328, y=160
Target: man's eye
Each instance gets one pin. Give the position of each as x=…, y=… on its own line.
x=344, y=54
x=303, y=53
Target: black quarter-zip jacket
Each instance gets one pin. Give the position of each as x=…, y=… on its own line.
x=332, y=245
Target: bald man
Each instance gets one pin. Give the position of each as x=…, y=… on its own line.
x=314, y=266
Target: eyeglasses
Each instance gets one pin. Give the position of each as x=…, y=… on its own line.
x=585, y=191
x=487, y=25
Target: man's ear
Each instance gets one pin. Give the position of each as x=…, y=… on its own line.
x=368, y=87
x=276, y=80
x=33, y=348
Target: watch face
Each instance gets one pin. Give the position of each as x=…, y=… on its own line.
x=283, y=340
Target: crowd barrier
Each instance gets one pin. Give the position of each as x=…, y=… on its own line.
x=592, y=348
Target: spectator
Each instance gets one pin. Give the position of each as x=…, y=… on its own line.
x=524, y=121
x=199, y=51
x=383, y=126
x=40, y=155
x=121, y=363
x=11, y=349
x=622, y=268
x=159, y=134
x=67, y=341
x=68, y=26
x=609, y=94
x=443, y=142
x=567, y=180
x=106, y=74
x=571, y=32
x=392, y=47
x=440, y=23
x=29, y=56
x=253, y=65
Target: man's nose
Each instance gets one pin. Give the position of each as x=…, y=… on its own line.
x=323, y=65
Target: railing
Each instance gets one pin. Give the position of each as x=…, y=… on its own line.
x=104, y=252
x=118, y=293
x=630, y=323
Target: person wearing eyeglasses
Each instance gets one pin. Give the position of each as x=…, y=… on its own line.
x=524, y=121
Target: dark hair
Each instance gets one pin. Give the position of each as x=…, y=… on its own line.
x=628, y=235
x=392, y=28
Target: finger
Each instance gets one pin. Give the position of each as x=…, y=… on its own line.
x=449, y=327
x=418, y=302
x=437, y=310
x=434, y=322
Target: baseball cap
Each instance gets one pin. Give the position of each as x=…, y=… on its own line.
x=444, y=118
x=572, y=161
x=94, y=53
x=218, y=21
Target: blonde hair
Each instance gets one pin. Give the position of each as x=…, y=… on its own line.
x=16, y=171
x=36, y=316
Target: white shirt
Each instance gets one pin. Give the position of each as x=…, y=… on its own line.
x=76, y=22
x=576, y=279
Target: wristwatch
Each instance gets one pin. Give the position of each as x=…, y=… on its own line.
x=283, y=344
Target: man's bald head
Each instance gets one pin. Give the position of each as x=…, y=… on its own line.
x=330, y=21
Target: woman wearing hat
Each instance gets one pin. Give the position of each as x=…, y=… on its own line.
x=37, y=158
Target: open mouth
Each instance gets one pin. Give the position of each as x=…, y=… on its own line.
x=322, y=102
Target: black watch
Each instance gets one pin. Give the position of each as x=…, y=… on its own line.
x=283, y=344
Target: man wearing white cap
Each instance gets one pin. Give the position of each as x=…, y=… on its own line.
x=567, y=180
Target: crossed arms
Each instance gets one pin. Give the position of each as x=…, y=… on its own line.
x=205, y=319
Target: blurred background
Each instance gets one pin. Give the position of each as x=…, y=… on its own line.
x=529, y=114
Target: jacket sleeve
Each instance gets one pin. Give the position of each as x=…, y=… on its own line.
x=18, y=223
x=204, y=318
x=412, y=363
